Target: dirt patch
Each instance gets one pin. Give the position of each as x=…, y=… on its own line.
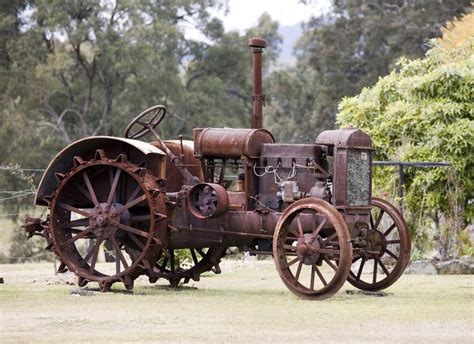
x=67, y=278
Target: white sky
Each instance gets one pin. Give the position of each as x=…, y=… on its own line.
x=244, y=13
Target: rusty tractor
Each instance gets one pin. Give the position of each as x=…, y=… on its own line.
x=148, y=205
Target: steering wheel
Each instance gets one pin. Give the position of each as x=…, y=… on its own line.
x=145, y=125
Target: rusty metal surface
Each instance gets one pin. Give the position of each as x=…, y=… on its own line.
x=230, y=143
x=346, y=137
x=385, y=245
x=136, y=151
x=101, y=200
x=174, y=180
x=309, y=247
x=208, y=200
x=146, y=205
x=257, y=44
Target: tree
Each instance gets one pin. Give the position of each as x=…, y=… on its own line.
x=423, y=111
x=80, y=68
x=90, y=59
x=351, y=47
x=218, y=80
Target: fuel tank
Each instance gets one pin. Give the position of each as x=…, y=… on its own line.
x=230, y=143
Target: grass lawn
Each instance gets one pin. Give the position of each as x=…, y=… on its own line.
x=247, y=303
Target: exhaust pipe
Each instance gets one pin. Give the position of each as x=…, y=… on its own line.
x=258, y=98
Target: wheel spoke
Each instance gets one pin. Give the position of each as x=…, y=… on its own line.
x=163, y=265
x=136, y=240
x=83, y=191
x=140, y=218
x=300, y=226
x=134, y=194
x=133, y=230
x=90, y=189
x=290, y=247
x=73, y=209
x=117, y=264
x=95, y=254
x=326, y=259
x=391, y=254
x=298, y=271
x=118, y=253
x=320, y=275
x=374, y=280
x=172, y=261
x=311, y=283
x=316, y=232
x=193, y=255
x=329, y=252
x=361, y=268
x=77, y=223
x=355, y=259
x=329, y=238
x=379, y=218
x=131, y=204
x=291, y=262
x=81, y=234
x=114, y=187
x=391, y=242
x=382, y=265
x=387, y=232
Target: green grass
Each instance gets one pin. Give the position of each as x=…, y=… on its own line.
x=247, y=303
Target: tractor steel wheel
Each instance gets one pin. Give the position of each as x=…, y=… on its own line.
x=112, y=204
x=384, y=257
x=170, y=267
x=311, y=239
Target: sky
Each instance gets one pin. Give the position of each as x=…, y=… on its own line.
x=244, y=13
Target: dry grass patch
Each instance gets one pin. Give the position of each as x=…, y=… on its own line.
x=247, y=303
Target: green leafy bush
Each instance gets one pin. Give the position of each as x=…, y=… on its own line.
x=424, y=111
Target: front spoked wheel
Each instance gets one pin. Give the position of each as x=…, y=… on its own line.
x=312, y=249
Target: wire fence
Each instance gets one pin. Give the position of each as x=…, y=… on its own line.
x=7, y=195
x=10, y=168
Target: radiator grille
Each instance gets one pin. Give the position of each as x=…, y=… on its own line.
x=358, y=178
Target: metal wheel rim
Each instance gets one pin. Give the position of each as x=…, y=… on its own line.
x=345, y=250
x=73, y=259
x=403, y=257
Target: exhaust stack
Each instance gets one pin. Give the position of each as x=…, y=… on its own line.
x=258, y=98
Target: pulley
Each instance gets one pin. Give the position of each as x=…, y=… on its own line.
x=208, y=200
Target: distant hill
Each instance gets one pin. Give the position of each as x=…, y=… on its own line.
x=290, y=35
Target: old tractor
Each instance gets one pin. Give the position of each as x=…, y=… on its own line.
x=148, y=205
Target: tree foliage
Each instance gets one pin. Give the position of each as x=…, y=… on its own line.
x=423, y=111
x=347, y=49
x=79, y=68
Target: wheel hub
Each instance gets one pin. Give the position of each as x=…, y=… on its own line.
x=106, y=219
x=376, y=243
x=308, y=252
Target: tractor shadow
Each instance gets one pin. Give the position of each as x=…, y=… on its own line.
x=363, y=293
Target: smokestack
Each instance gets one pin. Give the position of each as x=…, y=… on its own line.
x=258, y=98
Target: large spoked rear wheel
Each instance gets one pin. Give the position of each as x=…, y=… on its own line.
x=386, y=253
x=110, y=205
x=312, y=249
